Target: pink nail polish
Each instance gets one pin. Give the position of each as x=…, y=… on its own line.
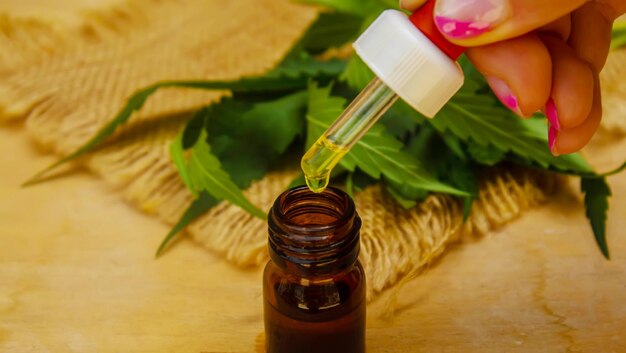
x=460, y=29
x=552, y=115
x=552, y=135
x=461, y=19
x=504, y=94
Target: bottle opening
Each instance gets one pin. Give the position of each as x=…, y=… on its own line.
x=313, y=212
x=314, y=231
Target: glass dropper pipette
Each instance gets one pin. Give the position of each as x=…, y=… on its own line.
x=360, y=115
x=411, y=60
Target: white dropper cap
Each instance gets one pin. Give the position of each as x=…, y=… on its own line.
x=408, y=61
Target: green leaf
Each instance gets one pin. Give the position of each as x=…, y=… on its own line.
x=377, y=153
x=356, y=74
x=478, y=117
x=434, y=154
x=194, y=127
x=244, y=162
x=463, y=176
x=297, y=181
x=177, y=153
x=206, y=174
x=485, y=155
x=454, y=144
x=618, y=34
x=359, y=181
x=298, y=67
x=277, y=122
x=331, y=30
x=399, y=122
x=612, y=172
x=134, y=103
x=423, y=146
x=405, y=203
x=593, y=175
x=250, y=137
x=401, y=126
x=597, y=193
x=350, y=185
x=198, y=207
x=292, y=74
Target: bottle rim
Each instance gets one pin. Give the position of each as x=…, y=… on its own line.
x=281, y=210
x=328, y=245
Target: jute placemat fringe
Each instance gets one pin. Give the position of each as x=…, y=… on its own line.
x=395, y=241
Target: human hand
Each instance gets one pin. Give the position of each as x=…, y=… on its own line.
x=537, y=55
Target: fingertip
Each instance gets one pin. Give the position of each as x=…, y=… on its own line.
x=571, y=140
x=572, y=84
x=524, y=64
x=504, y=93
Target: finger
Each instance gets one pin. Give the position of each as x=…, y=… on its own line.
x=572, y=140
x=572, y=86
x=479, y=22
x=591, y=35
x=411, y=5
x=560, y=28
x=518, y=70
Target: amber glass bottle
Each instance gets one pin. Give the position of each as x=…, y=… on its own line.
x=314, y=285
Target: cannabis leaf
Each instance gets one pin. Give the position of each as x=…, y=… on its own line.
x=455, y=145
x=331, y=30
x=432, y=152
x=401, y=125
x=356, y=74
x=463, y=176
x=206, y=173
x=400, y=199
x=177, y=153
x=247, y=136
x=475, y=117
x=597, y=193
x=203, y=173
x=485, y=155
x=400, y=119
x=377, y=153
x=275, y=124
x=618, y=34
x=292, y=74
x=200, y=205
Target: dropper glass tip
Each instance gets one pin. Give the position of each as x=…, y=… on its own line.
x=317, y=185
x=359, y=116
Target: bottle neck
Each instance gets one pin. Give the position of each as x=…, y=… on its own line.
x=314, y=234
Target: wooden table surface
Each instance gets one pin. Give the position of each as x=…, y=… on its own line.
x=77, y=274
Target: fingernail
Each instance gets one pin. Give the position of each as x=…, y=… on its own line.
x=469, y=18
x=553, y=125
x=552, y=135
x=552, y=115
x=504, y=94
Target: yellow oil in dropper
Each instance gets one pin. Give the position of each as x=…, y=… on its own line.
x=361, y=114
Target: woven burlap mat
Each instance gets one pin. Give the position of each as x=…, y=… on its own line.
x=66, y=82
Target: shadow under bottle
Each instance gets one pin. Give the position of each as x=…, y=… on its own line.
x=314, y=285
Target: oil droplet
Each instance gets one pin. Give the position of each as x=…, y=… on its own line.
x=319, y=161
x=317, y=184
